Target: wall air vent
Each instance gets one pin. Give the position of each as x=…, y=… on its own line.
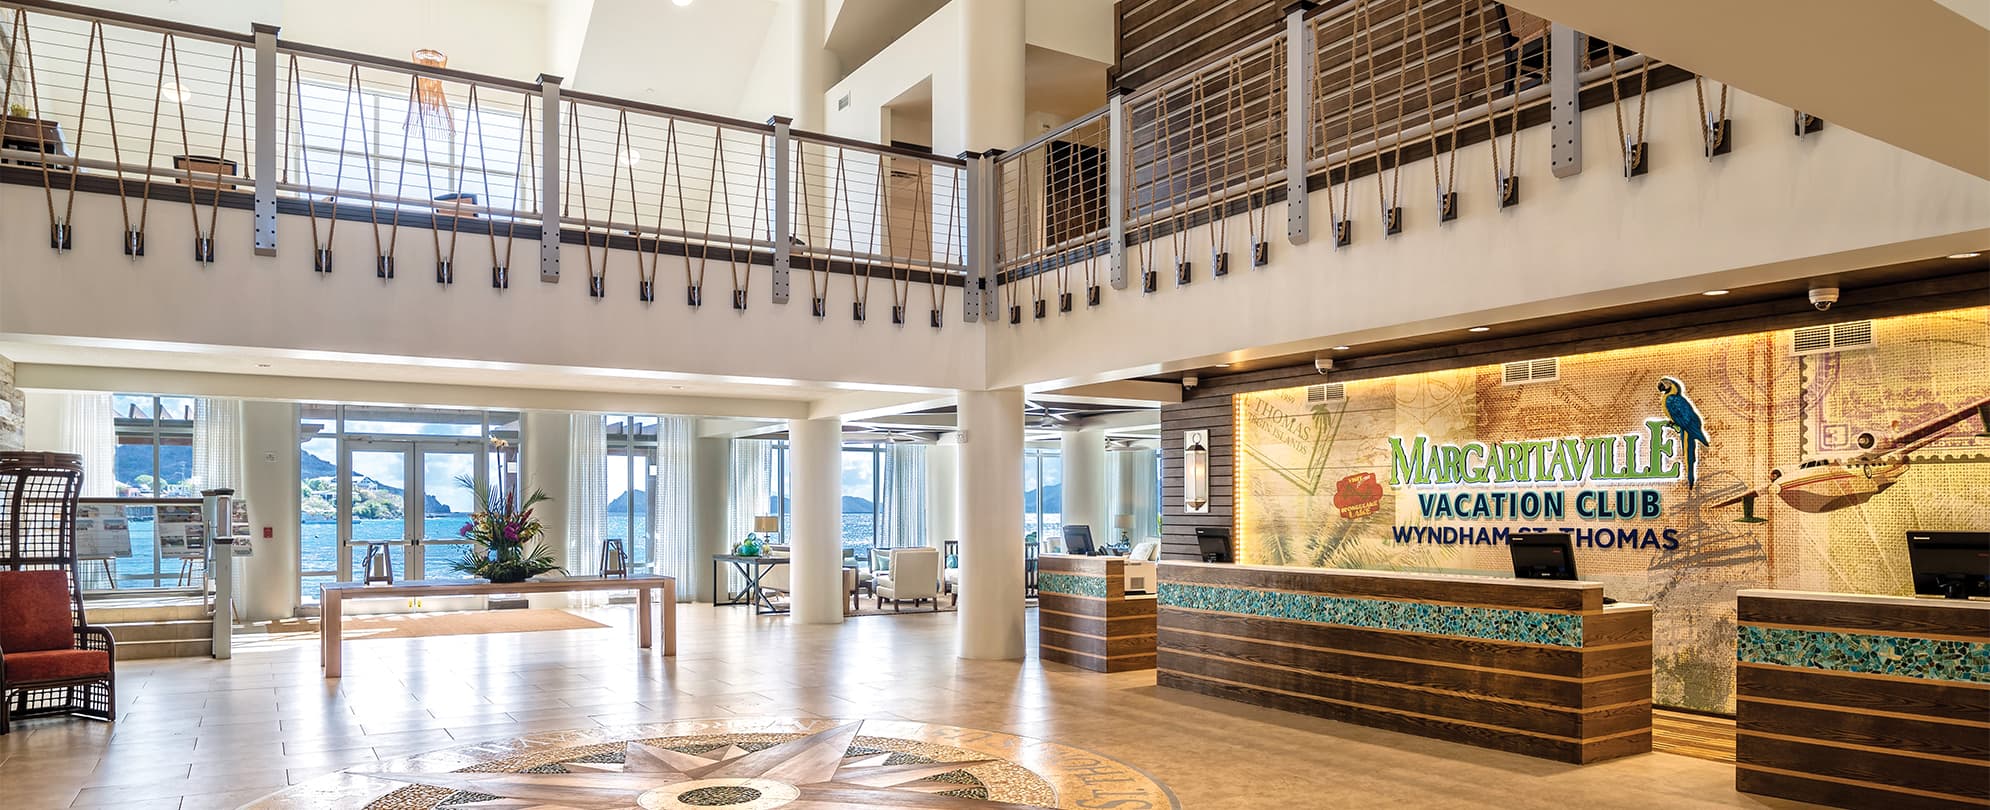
x=1520, y=372
x=1831, y=337
x=1325, y=393
x=844, y=102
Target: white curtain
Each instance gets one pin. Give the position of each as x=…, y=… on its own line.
x=587, y=494
x=217, y=443
x=751, y=490
x=903, y=496
x=85, y=425
x=1131, y=481
x=672, y=545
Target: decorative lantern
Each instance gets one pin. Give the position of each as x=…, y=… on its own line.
x=614, y=560
x=379, y=564
x=1195, y=472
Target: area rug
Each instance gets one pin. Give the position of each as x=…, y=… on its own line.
x=418, y=625
x=1693, y=735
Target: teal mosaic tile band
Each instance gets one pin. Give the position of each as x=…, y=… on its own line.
x=1071, y=584
x=1491, y=624
x=1866, y=654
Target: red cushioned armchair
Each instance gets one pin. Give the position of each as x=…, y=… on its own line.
x=51, y=660
x=47, y=664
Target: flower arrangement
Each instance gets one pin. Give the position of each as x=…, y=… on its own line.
x=503, y=537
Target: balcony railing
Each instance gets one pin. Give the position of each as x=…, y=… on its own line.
x=466, y=170
x=1172, y=181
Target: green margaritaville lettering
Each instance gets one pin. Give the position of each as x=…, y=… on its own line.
x=1566, y=460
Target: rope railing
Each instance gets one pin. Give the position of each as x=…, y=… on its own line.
x=1054, y=198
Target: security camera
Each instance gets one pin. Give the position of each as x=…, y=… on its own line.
x=1323, y=364
x=1823, y=297
x=1190, y=381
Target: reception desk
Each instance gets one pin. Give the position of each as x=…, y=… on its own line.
x=1863, y=701
x=1086, y=618
x=1535, y=667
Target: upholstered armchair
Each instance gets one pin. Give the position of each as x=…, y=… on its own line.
x=914, y=577
x=950, y=569
x=47, y=664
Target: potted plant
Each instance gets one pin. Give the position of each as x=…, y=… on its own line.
x=504, y=537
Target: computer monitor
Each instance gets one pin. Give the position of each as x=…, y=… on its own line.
x=1078, y=539
x=1951, y=564
x=1214, y=544
x=1542, y=556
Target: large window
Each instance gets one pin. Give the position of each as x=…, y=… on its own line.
x=1043, y=493
x=864, y=474
x=632, y=470
x=154, y=446
x=390, y=475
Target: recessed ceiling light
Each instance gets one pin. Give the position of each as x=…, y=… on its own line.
x=1480, y=329
x=680, y=3
x=1715, y=292
x=1970, y=255
x=630, y=157
x=262, y=365
x=1222, y=365
x=1340, y=348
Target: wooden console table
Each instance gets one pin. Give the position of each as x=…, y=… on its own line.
x=333, y=596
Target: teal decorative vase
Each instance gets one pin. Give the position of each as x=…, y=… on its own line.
x=750, y=547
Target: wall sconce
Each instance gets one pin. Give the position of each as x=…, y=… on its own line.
x=379, y=565
x=1195, y=472
x=614, y=560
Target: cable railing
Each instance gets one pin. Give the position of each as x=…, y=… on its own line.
x=1055, y=196
x=1173, y=180
x=463, y=169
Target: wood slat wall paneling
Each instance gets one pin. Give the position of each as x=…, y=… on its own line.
x=1863, y=702
x=1086, y=619
x=1536, y=668
x=1159, y=37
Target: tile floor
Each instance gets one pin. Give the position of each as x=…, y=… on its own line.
x=198, y=733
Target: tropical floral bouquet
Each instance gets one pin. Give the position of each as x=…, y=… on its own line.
x=503, y=537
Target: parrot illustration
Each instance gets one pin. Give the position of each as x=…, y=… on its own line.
x=1686, y=419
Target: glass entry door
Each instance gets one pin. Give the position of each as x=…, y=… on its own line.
x=413, y=496
x=373, y=506
x=447, y=503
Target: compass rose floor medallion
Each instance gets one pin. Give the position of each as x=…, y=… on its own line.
x=742, y=764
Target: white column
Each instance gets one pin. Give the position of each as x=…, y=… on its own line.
x=548, y=456
x=815, y=460
x=1084, y=481
x=992, y=52
x=267, y=587
x=991, y=524
x=709, y=465
x=815, y=66
x=942, y=491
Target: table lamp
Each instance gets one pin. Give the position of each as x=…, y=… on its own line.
x=1123, y=523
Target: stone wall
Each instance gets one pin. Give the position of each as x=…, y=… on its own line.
x=13, y=409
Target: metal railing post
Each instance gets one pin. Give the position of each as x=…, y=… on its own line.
x=1299, y=49
x=1565, y=102
x=1117, y=150
x=549, y=178
x=979, y=257
x=782, y=229
x=265, y=158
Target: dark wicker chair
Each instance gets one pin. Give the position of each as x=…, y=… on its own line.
x=51, y=660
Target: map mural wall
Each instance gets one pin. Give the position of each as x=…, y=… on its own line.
x=1812, y=470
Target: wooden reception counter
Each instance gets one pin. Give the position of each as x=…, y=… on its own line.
x=1863, y=701
x=1536, y=667
x=1086, y=618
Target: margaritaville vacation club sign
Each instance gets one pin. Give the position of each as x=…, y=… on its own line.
x=1553, y=481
